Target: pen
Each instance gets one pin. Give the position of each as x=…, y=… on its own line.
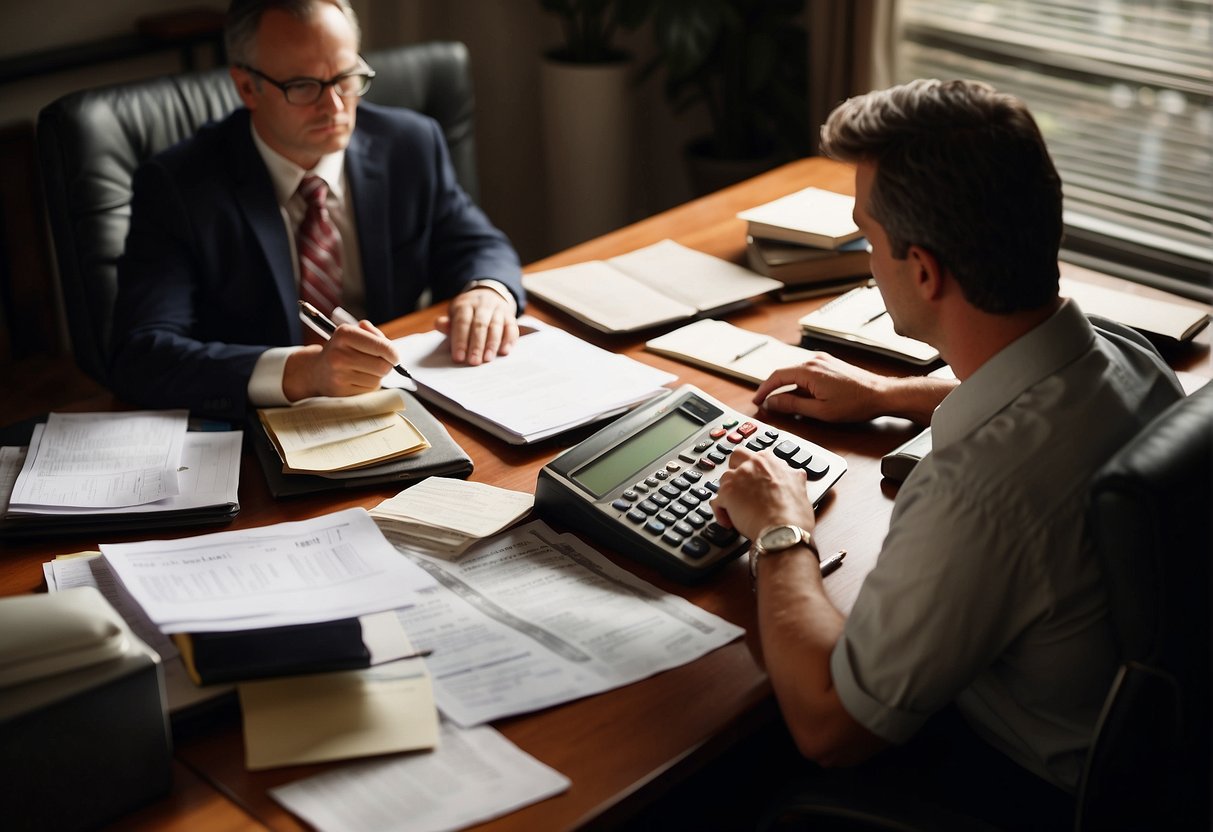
x=746, y=352
x=876, y=316
x=832, y=563
x=420, y=654
x=309, y=312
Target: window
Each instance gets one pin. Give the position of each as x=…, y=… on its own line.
x=1123, y=92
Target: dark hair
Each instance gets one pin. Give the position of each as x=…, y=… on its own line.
x=244, y=16
x=962, y=171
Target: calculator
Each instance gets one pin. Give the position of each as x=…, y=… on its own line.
x=642, y=485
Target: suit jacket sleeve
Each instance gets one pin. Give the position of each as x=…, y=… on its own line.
x=417, y=227
x=199, y=298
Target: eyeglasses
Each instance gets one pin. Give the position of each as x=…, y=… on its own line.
x=304, y=91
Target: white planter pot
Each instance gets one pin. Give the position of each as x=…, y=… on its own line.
x=588, y=134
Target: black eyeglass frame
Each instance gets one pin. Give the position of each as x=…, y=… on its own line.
x=319, y=84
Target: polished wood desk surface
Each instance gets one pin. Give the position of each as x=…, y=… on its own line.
x=623, y=747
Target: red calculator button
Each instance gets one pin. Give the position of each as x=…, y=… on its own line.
x=747, y=428
x=735, y=437
x=717, y=433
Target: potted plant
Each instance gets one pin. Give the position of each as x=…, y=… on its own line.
x=590, y=26
x=587, y=119
x=746, y=62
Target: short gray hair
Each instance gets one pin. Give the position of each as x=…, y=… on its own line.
x=244, y=16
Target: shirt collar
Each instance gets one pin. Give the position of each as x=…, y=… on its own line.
x=286, y=175
x=1039, y=353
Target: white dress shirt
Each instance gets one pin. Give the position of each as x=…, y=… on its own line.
x=265, y=384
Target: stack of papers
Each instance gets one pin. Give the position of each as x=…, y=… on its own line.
x=102, y=461
x=443, y=517
x=324, y=569
x=341, y=434
x=90, y=471
x=550, y=382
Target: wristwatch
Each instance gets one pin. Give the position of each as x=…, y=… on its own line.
x=775, y=539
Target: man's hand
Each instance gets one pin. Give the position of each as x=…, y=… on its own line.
x=832, y=390
x=352, y=361
x=760, y=490
x=480, y=326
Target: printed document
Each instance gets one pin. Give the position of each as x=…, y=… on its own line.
x=473, y=776
x=532, y=618
x=103, y=460
x=549, y=383
x=209, y=475
x=334, y=566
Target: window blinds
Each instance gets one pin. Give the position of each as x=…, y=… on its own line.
x=1123, y=91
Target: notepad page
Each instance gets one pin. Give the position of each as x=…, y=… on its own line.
x=1148, y=314
x=605, y=297
x=730, y=349
x=692, y=277
x=859, y=316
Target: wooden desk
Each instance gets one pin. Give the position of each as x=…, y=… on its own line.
x=623, y=747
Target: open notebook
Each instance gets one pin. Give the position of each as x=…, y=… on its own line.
x=653, y=285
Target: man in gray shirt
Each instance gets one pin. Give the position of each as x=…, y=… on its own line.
x=987, y=593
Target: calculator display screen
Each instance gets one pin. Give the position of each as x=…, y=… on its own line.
x=625, y=459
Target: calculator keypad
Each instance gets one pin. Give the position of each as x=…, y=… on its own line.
x=671, y=504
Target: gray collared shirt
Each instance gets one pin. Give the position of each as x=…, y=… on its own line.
x=987, y=592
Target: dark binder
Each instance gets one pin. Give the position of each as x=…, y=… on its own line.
x=211, y=658
x=444, y=458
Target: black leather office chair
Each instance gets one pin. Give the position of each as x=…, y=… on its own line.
x=1151, y=517
x=91, y=142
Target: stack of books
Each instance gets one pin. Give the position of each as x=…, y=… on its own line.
x=809, y=242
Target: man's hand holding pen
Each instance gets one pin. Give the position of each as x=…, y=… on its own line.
x=354, y=360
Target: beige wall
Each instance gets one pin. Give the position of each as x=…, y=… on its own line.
x=506, y=39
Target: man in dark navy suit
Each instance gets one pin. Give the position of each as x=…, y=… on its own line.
x=206, y=316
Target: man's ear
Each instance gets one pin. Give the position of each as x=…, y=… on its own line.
x=928, y=272
x=244, y=86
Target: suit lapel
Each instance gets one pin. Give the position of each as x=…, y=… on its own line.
x=256, y=200
x=367, y=177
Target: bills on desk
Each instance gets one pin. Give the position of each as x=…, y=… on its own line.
x=549, y=383
x=324, y=569
x=102, y=461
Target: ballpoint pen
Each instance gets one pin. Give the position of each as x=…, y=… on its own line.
x=879, y=314
x=309, y=312
x=749, y=350
x=832, y=563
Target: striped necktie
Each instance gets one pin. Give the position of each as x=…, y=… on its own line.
x=319, y=249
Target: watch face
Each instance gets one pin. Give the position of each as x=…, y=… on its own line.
x=780, y=537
